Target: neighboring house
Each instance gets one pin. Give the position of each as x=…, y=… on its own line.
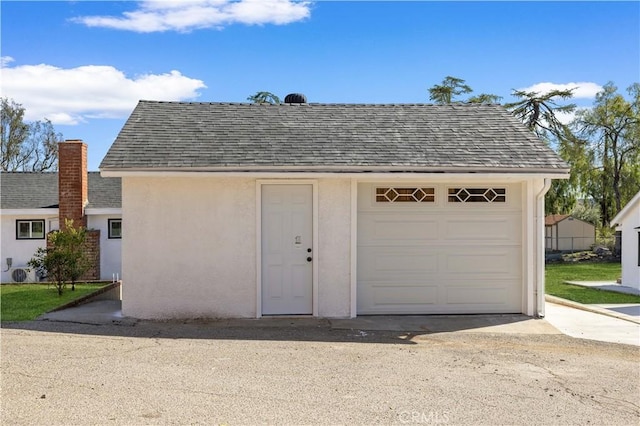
x=331, y=210
x=566, y=233
x=628, y=222
x=33, y=204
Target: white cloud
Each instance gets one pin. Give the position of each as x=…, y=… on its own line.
x=73, y=95
x=565, y=117
x=5, y=60
x=583, y=90
x=568, y=117
x=188, y=15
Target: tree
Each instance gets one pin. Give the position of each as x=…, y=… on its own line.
x=560, y=198
x=451, y=87
x=587, y=212
x=64, y=259
x=609, y=141
x=448, y=89
x=484, y=98
x=264, y=98
x=26, y=147
x=538, y=110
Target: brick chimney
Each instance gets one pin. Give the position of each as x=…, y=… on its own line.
x=73, y=185
x=73, y=197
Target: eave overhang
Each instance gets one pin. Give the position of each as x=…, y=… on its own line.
x=301, y=172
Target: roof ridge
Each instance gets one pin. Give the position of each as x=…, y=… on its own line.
x=286, y=104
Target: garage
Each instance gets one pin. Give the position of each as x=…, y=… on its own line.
x=331, y=210
x=439, y=248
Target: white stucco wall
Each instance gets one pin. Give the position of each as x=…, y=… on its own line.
x=110, y=249
x=630, y=231
x=21, y=251
x=334, y=244
x=189, y=247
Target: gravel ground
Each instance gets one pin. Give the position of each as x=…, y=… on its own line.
x=197, y=373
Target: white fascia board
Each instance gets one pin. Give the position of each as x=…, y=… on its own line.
x=339, y=169
x=106, y=211
x=29, y=212
x=448, y=177
x=360, y=176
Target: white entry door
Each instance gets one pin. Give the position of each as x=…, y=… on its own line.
x=287, y=257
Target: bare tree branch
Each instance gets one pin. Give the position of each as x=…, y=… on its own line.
x=26, y=147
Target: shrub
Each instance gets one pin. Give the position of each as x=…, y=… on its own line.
x=64, y=259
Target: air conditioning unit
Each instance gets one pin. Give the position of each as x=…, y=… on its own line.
x=23, y=275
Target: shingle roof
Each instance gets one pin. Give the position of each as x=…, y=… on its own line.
x=26, y=190
x=31, y=190
x=552, y=219
x=104, y=192
x=343, y=137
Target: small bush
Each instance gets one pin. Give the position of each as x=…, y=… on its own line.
x=64, y=259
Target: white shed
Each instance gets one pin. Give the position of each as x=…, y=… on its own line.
x=628, y=222
x=331, y=210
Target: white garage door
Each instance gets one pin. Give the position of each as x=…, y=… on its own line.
x=436, y=249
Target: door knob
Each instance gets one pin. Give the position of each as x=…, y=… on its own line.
x=309, y=259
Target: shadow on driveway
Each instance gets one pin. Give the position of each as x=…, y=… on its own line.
x=104, y=318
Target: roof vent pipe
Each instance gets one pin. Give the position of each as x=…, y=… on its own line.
x=295, y=98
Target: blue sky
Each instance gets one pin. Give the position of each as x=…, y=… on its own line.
x=85, y=64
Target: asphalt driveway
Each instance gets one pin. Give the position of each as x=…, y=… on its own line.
x=309, y=373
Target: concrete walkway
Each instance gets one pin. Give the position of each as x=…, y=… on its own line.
x=103, y=312
x=585, y=324
x=606, y=285
x=615, y=323
x=630, y=309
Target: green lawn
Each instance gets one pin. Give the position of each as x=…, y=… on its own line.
x=558, y=273
x=25, y=302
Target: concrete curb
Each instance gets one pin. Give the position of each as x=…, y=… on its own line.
x=589, y=308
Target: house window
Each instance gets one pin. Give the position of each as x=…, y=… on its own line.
x=30, y=229
x=405, y=195
x=477, y=195
x=115, y=228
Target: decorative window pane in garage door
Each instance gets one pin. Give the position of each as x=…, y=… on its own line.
x=405, y=195
x=477, y=195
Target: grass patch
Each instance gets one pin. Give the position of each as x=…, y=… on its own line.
x=556, y=274
x=26, y=302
